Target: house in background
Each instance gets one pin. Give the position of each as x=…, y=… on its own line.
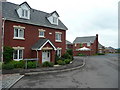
x=69, y=45
x=85, y=45
x=110, y=50
x=33, y=33
x=101, y=48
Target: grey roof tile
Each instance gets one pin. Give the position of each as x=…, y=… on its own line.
x=84, y=39
x=100, y=46
x=38, y=18
x=38, y=44
x=68, y=42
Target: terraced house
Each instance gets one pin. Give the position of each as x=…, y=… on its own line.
x=33, y=33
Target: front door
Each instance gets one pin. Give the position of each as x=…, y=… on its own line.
x=45, y=56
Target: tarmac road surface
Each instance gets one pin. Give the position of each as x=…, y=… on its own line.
x=99, y=72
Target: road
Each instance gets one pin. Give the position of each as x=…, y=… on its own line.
x=99, y=72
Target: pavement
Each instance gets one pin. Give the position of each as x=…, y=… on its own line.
x=8, y=80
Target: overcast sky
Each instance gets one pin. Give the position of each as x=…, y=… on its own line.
x=84, y=17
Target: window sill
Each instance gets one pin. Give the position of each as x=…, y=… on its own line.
x=18, y=38
x=17, y=59
x=42, y=36
x=58, y=41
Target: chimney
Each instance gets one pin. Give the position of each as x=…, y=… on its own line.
x=96, y=35
x=96, y=43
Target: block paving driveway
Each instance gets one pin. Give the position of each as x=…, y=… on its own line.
x=99, y=72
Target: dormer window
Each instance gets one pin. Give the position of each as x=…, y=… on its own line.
x=53, y=18
x=24, y=11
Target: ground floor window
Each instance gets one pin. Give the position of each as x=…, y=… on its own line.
x=18, y=55
x=59, y=52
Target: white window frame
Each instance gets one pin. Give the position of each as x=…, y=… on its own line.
x=59, y=51
x=43, y=31
x=58, y=37
x=18, y=37
x=18, y=55
x=24, y=13
x=55, y=20
x=43, y=34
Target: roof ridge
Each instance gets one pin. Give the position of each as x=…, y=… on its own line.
x=40, y=11
x=42, y=22
x=85, y=36
x=31, y=8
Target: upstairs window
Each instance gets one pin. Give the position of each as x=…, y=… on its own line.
x=58, y=37
x=54, y=19
x=18, y=33
x=24, y=13
x=41, y=33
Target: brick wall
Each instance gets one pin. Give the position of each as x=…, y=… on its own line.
x=93, y=47
x=31, y=34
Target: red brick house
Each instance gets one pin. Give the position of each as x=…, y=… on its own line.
x=101, y=48
x=69, y=45
x=110, y=50
x=33, y=33
x=85, y=45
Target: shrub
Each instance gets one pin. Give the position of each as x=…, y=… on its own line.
x=67, y=61
x=8, y=54
x=100, y=54
x=47, y=64
x=80, y=54
x=8, y=66
x=56, y=58
x=60, y=62
x=81, y=45
x=51, y=64
x=66, y=56
x=31, y=64
x=0, y=65
x=18, y=64
x=70, y=52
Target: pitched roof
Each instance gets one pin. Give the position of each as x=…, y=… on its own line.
x=25, y=3
x=38, y=18
x=84, y=39
x=55, y=12
x=40, y=43
x=100, y=46
x=68, y=42
x=109, y=47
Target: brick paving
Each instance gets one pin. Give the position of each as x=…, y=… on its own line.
x=9, y=79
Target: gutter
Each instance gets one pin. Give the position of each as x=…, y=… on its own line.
x=3, y=27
